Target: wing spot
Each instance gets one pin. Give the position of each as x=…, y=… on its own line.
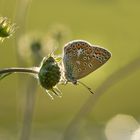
x=90, y=65
x=85, y=58
x=79, y=70
x=85, y=63
x=74, y=54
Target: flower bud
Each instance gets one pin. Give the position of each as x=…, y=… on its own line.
x=49, y=74
x=6, y=28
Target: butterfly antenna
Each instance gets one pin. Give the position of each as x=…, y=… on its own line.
x=86, y=87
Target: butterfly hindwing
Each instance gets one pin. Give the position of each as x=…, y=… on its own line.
x=81, y=58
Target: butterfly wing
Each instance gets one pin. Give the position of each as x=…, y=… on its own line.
x=81, y=58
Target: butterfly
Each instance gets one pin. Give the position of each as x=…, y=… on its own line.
x=79, y=59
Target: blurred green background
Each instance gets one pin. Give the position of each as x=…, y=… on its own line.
x=113, y=24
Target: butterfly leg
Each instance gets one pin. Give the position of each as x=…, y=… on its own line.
x=55, y=92
x=49, y=95
x=57, y=89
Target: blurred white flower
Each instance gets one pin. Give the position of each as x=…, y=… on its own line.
x=121, y=127
x=136, y=135
x=30, y=48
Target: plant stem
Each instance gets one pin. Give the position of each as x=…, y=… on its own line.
x=28, y=112
x=32, y=70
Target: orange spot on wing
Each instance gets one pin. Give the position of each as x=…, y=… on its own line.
x=78, y=47
x=89, y=51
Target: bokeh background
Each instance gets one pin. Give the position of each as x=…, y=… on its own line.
x=113, y=24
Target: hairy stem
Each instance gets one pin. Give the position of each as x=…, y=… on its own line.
x=19, y=70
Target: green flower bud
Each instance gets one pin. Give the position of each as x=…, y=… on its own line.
x=49, y=74
x=6, y=28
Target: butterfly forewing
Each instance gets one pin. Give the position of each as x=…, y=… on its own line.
x=81, y=58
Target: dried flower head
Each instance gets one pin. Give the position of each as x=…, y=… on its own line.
x=6, y=28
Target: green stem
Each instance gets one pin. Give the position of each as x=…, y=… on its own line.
x=19, y=70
